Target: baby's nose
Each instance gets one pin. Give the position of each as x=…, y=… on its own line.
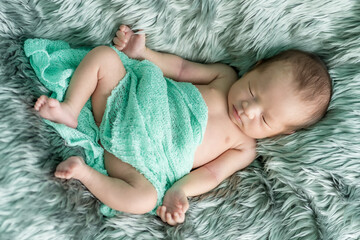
x=251, y=109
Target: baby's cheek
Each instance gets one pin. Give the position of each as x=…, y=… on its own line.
x=256, y=131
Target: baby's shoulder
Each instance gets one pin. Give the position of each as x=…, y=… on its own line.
x=246, y=143
x=225, y=79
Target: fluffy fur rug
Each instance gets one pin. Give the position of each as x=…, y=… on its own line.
x=303, y=186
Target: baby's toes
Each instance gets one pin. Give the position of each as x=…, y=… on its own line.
x=43, y=98
x=40, y=102
x=61, y=174
x=37, y=105
x=65, y=172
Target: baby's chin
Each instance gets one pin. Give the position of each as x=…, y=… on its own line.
x=254, y=135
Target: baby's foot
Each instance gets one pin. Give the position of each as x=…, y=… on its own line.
x=55, y=111
x=73, y=167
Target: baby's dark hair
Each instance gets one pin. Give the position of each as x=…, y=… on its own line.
x=312, y=83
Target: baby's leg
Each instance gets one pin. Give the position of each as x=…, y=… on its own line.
x=126, y=191
x=97, y=74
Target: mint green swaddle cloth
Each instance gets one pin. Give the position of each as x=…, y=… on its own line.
x=151, y=122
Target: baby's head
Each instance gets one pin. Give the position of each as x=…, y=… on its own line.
x=280, y=95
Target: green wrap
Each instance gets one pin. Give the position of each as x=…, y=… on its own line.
x=151, y=122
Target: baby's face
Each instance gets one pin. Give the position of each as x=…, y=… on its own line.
x=262, y=103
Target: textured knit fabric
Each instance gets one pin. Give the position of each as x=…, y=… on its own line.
x=54, y=62
x=153, y=123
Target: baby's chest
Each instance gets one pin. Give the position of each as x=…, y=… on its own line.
x=220, y=135
x=221, y=132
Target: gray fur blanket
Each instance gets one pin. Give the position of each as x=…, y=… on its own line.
x=303, y=186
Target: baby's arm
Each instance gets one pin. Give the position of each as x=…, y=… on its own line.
x=172, y=66
x=200, y=181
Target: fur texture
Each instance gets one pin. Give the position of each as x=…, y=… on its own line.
x=303, y=186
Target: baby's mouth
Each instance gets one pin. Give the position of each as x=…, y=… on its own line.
x=236, y=116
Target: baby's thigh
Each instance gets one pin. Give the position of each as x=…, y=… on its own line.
x=111, y=69
x=141, y=195
x=119, y=169
x=110, y=72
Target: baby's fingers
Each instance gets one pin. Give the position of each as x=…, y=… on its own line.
x=122, y=40
x=179, y=217
x=161, y=211
x=124, y=28
x=120, y=35
x=170, y=220
x=118, y=44
x=125, y=33
x=185, y=206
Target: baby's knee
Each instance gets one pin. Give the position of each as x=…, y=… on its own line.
x=106, y=54
x=145, y=201
x=110, y=63
x=103, y=50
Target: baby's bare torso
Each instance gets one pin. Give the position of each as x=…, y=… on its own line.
x=221, y=133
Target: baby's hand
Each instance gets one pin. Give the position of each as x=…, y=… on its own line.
x=174, y=207
x=133, y=45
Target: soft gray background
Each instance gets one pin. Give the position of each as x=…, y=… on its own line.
x=304, y=186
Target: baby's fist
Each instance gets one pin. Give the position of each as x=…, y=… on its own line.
x=175, y=205
x=172, y=218
x=130, y=43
